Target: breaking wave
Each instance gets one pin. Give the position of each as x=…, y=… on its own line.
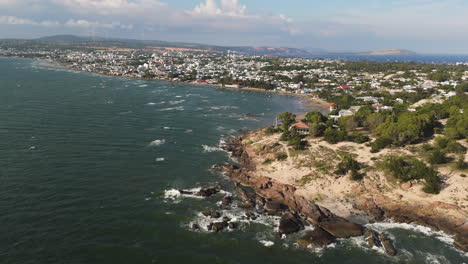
x=157, y=142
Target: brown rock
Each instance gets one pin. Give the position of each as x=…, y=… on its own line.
x=318, y=238
x=341, y=228
x=406, y=185
x=289, y=224
x=387, y=245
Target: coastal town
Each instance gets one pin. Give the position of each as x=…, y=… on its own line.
x=335, y=82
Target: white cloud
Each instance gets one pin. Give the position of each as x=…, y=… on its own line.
x=88, y=24
x=210, y=8
x=112, y=7
x=13, y=20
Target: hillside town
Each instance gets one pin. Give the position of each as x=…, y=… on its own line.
x=344, y=85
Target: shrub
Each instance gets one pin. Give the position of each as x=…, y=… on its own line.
x=455, y=147
x=317, y=129
x=285, y=136
x=380, y=143
x=282, y=156
x=358, y=138
x=461, y=164
x=271, y=130
x=267, y=161
x=348, y=163
x=406, y=168
x=334, y=136
x=437, y=157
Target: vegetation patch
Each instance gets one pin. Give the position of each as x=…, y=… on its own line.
x=406, y=168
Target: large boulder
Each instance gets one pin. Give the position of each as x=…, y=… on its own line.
x=212, y=214
x=207, y=192
x=387, y=245
x=371, y=238
x=227, y=200
x=274, y=207
x=289, y=224
x=461, y=242
x=341, y=228
x=317, y=238
x=219, y=226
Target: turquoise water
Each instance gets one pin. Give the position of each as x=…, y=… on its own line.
x=86, y=163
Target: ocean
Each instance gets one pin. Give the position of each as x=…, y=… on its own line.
x=419, y=58
x=90, y=166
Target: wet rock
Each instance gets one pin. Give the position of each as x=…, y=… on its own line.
x=232, y=225
x=195, y=227
x=242, y=194
x=219, y=226
x=289, y=224
x=317, y=238
x=184, y=192
x=209, y=227
x=273, y=207
x=212, y=214
x=207, y=192
x=387, y=245
x=341, y=228
x=260, y=201
x=226, y=219
x=461, y=242
x=250, y=216
x=371, y=238
x=227, y=200
x=249, y=205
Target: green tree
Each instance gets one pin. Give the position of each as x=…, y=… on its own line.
x=286, y=119
x=315, y=117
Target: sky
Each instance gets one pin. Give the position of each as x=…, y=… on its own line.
x=424, y=26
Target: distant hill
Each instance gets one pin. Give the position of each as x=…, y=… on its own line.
x=388, y=52
x=85, y=41
x=133, y=43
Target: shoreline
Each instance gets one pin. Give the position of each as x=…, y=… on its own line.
x=312, y=104
x=376, y=208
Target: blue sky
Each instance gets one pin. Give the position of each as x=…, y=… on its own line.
x=426, y=26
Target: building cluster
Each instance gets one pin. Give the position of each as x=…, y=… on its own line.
x=314, y=77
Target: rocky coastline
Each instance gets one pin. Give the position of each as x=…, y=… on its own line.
x=328, y=226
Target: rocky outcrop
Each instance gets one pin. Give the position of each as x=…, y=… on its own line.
x=387, y=245
x=372, y=238
x=317, y=238
x=207, y=192
x=425, y=215
x=289, y=224
x=280, y=196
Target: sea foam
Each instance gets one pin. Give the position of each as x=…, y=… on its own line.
x=157, y=142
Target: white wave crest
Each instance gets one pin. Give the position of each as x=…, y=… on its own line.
x=176, y=195
x=210, y=148
x=267, y=243
x=157, y=142
x=160, y=159
x=178, y=108
x=440, y=235
x=176, y=102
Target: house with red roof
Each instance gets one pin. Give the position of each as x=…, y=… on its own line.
x=301, y=128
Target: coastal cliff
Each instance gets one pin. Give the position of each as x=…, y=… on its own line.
x=336, y=203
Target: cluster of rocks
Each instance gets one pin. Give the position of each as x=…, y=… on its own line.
x=277, y=198
x=421, y=215
x=379, y=240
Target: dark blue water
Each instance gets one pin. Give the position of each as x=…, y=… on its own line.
x=88, y=162
x=419, y=58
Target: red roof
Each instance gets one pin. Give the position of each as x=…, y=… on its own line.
x=330, y=104
x=301, y=125
x=344, y=87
